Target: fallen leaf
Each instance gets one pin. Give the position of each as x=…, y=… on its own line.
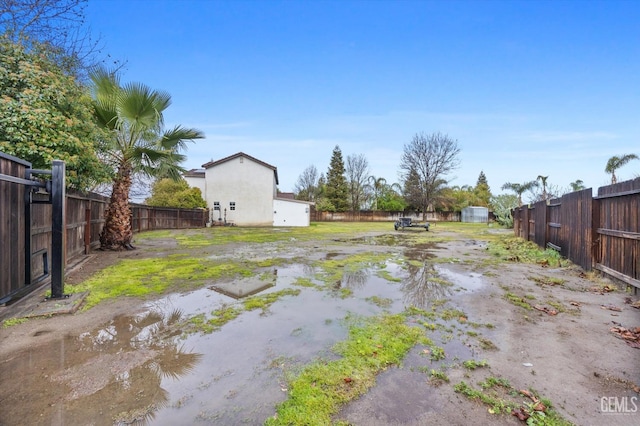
x=539, y=406
x=520, y=413
x=611, y=308
x=545, y=310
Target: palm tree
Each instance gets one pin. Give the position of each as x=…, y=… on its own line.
x=543, y=179
x=520, y=188
x=133, y=115
x=616, y=162
x=376, y=185
x=578, y=185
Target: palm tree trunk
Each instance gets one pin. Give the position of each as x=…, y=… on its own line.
x=117, y=232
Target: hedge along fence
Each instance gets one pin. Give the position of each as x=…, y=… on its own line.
x=601, y=232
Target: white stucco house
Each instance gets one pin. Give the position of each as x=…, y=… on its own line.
x=242, y=190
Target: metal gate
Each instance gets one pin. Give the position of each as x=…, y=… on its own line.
x=23, y=264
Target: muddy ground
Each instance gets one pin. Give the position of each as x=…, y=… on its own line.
x=128, y=361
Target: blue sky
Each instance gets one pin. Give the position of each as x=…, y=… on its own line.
x=527, y=88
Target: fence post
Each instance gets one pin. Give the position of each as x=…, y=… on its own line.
x=58, y=228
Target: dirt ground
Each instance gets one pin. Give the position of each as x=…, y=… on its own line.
x=563, y=347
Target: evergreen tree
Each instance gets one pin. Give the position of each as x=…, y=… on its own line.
x=482, y=192
x=337, y=190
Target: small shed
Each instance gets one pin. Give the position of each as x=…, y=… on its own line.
x=475, y=214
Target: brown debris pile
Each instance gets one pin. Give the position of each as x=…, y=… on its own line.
x=523, y=413
x=631, y=336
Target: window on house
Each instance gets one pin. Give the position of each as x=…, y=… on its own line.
x=216, y=205
x=232, y=205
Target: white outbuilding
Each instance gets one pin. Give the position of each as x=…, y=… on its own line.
x=475, y=214
x=242, y=190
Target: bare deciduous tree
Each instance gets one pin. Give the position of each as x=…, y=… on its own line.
x=59, y=24
x=357, y=171
x=306, y=187
x=425, y=162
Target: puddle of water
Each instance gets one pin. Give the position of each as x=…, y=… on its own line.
x=140, y=369
x=111, y=374
x=470, y=281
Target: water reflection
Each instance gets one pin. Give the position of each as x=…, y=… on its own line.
x=422, y=286
x=112, y=375
x=354, y=280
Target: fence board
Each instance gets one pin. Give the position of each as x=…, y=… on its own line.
x=11, y=226
x=619, y=229
x=601, y=232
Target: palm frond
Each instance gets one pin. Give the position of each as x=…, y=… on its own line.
x=175, y=138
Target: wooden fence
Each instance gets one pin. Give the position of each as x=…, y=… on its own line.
x=381, y=216
x=84, y=218
x=601, y=232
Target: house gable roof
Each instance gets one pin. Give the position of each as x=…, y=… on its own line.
x=248, y=157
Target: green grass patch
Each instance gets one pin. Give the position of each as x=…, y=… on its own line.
x=143, y=277
x=514, y=249
x=322, y=387
x=472, y=364
x=304, y=282
x=501, y=399
x=334, y=270
x=264, y=301
x=437, y=377
x=449, y=314
x=517, y=301
x=486, y=344
x=381, y=302
x=10, y=322
x=496, y=404
x=219, y=317
x=550, y=281
x=386, y=275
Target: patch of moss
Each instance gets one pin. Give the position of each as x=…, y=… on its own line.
x=142, y=277
x=322, y=387
x=381, y=302
x=264, y=301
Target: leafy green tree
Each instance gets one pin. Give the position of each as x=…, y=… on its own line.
x=337, y=191
x=390, y=198
x=615, y=162
x=175, y=193
x=520, y=188
x=426, y=160
x=458, y=197
x=45, y=115
x=133, y=116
